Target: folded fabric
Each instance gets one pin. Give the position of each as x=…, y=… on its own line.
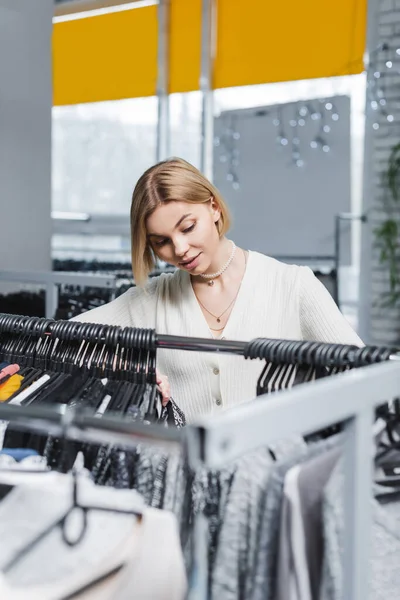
x=32, y=463
x=19, y=454
x=8, y=388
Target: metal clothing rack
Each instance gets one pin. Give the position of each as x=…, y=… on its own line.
x=82, y=426
x=350, y=397
x=273, y=350
x=51, y=280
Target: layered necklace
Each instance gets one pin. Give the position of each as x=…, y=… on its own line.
x=218, y=317
x=210, y=277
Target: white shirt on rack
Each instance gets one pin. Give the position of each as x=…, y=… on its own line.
x=117, y=554
x=275, y=300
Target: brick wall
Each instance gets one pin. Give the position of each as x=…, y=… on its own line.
x=381, y=324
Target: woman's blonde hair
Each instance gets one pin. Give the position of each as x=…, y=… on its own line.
x=170, y=180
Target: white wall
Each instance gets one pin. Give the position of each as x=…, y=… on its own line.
x=278, y=208
x=25, y=134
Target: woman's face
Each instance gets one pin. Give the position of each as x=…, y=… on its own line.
x=184, y=234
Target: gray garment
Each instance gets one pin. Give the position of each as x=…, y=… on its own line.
x=231, y=498
x=312, y=478
x=268, y=538
x=237, y=541
x=384, y=572
x=240, y=516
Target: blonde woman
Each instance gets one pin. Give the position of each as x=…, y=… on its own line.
x=218, y=290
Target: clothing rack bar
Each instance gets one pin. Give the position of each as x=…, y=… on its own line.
x=59, y=277
x=84, y=427
x=176, y=342
x=276, y=350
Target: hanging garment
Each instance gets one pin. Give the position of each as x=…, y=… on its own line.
x=266, y=568
x=300, y=539
x=18, y=454
x=119, y=549
x=132, y=400
x=172, y=414
x=292, y=575
x=231, y=498
x=239, y=528
x=312, y=477
x=384, y=572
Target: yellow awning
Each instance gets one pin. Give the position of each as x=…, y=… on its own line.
x=114, y=56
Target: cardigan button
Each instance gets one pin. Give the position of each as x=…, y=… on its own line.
x=218, y=402
x=216, y=371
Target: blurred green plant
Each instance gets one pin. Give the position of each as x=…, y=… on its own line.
x=387, y=234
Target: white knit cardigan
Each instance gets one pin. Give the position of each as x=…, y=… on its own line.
x=275, y=300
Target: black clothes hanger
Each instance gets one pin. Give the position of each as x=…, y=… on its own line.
x=301, y=351
x=387, y=457
x=56, y=351
x=58, y=388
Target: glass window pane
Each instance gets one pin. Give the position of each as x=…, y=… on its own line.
x=185, y=122
x=99, y=152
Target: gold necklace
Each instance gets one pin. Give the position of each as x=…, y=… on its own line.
x=218, y=318
x=220, y=329
x=222, y=314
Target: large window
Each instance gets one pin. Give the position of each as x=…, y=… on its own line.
x=100, y=150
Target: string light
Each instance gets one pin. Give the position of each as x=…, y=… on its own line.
x=230, y=152
x=289, y=120
x=383, y=61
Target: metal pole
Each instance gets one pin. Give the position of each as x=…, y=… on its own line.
x=208, y=17
x=358, y=455
x=338, y=219
x=198, y=578
x=177, y=342
x=337, y=260
x=163, y=129
x=51, y=300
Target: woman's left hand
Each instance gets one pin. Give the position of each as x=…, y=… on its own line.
x=163, y=387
